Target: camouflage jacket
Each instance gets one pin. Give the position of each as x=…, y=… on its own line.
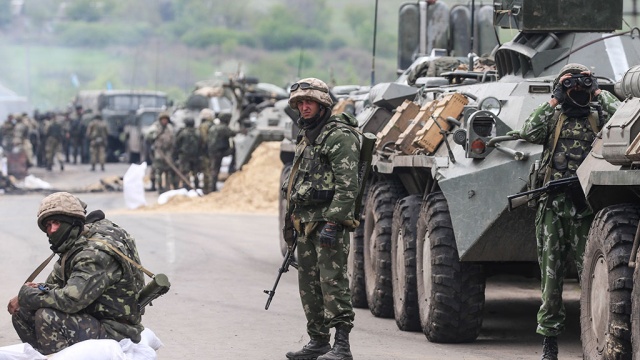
x=161, y=139
x=325, y=184
x=91, y=278
x=218, y=139
x=188, y=142
x=97, y=132
x=574, y=140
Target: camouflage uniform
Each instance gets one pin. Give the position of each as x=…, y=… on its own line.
x=562, y=221
x=161, y=138
x=328, y=165
x=54, y=135
x=76, y=135
x=92, y=291
x=219, y=146
x=97, y=134
x=187, y=147
x=205, y=161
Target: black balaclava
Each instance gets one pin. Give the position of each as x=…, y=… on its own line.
x=577, y=103
x=70, y=228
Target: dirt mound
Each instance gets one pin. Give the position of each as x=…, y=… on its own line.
x=254, y=189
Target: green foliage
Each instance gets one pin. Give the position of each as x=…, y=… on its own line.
x=284, y=29
x=208, y=36
x=100, y=35
x=88, y=10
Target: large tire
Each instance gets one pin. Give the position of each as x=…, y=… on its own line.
x=635, y=311
x=450, y=292
x=377, y=246
x=403, y=261
x=355, y=268
x=282, y=207
x=605, y=301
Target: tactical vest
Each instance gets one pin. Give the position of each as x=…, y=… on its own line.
x=314, y=181
x=119, y=301
x=189, y=142
x=568, y=148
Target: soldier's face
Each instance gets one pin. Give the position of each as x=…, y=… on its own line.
x=308, y=108
x=52, y=226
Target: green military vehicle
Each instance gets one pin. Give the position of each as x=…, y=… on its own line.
x=118, y=108
x=436, y=221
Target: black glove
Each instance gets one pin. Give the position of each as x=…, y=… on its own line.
x=559, y=94
x=328, y=234
x=594, y=86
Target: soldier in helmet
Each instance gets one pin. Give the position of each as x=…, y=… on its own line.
x=321, y=195
x=219, y=145
x=97, y=134
x=161, y=138
x=91, y=292
x=206, y=121
x=566, y=126
x=54, y=136
x=187, y=148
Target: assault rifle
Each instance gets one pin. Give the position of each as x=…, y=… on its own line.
x=288, y=261
x=553, y=186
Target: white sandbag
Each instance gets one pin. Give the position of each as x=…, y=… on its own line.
x=165, y=196
x=149, y=338
x=103, y=349
x=133, y=186
x=20, y=352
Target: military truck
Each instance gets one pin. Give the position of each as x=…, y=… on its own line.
x=436, y=221
x=118, y=108
x=610, y=299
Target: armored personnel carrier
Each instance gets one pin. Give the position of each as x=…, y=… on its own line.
x=436, y=221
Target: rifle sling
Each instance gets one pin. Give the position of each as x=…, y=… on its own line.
x=135, y=264
x=37, y=271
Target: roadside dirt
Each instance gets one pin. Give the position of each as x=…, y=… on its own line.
x=254, y=189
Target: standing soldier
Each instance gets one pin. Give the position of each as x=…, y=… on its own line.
x=161, y=138
x=54, y=136
x=219, y=145
x=7, y=132
x=21, y=138
x=97, y=135
x=206, y=121
x=566, y=126
x=321, y=196
x=187, y=147
x=77, y=133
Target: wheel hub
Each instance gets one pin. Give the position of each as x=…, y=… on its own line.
x=599, y=302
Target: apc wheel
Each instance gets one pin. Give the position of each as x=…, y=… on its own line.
x=605, y=301
x=355, y=268
x=635, y=312
x=450, y=292
x=403, y=261
x=377, y=246
x=282, y=207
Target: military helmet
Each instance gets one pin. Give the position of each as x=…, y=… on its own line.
x=164, y=114
x=60, y=203
x=309, y=89
x=189, y=121
x=571, y=68
x=207, y=114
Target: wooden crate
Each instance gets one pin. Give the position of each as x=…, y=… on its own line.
x=633, y=150
x=405, y=140
x=429, y=137
x=397, y=124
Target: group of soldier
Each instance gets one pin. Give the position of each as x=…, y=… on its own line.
x=50, y=137
x=179, y=157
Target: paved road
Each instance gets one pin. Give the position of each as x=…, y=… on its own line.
x=219, y=264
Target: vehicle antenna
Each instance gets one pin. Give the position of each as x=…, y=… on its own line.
x=375, y=33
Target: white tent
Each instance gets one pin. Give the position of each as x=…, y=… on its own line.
x=11, y=103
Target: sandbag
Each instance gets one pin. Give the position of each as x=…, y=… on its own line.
x=133, y=186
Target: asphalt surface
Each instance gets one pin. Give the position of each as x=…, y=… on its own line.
x=219, y=265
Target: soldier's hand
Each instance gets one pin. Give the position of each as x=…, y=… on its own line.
x=559, y=93
x=13, y=306
x=328, y=235
x=514, y=133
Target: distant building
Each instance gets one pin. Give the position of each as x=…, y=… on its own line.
x=11, y=103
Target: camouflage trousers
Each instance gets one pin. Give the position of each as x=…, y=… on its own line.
x=98, y=154
x=561, y=232
x=216, y=164
x=189, y=167
x=323, y=283
x=160, y=167
x=205, y=167
x=49, y=330
x=52, y=151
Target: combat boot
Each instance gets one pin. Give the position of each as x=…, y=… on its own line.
x=549, y=348
x=341, y=349
x=153, y=186
x=311, y=351
x=93, y=167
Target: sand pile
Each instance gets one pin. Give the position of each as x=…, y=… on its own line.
x=254, y=189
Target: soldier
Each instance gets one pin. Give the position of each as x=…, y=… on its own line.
x=54, y=136
x=161, y=138
x=91, y=292
x=97, y=134
x=219, y=145
x=206, y=121
x=21, y=138
x=77, y=133
x=7, y=132
x=321, y=195
x=187, y=148
x=566, y=125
